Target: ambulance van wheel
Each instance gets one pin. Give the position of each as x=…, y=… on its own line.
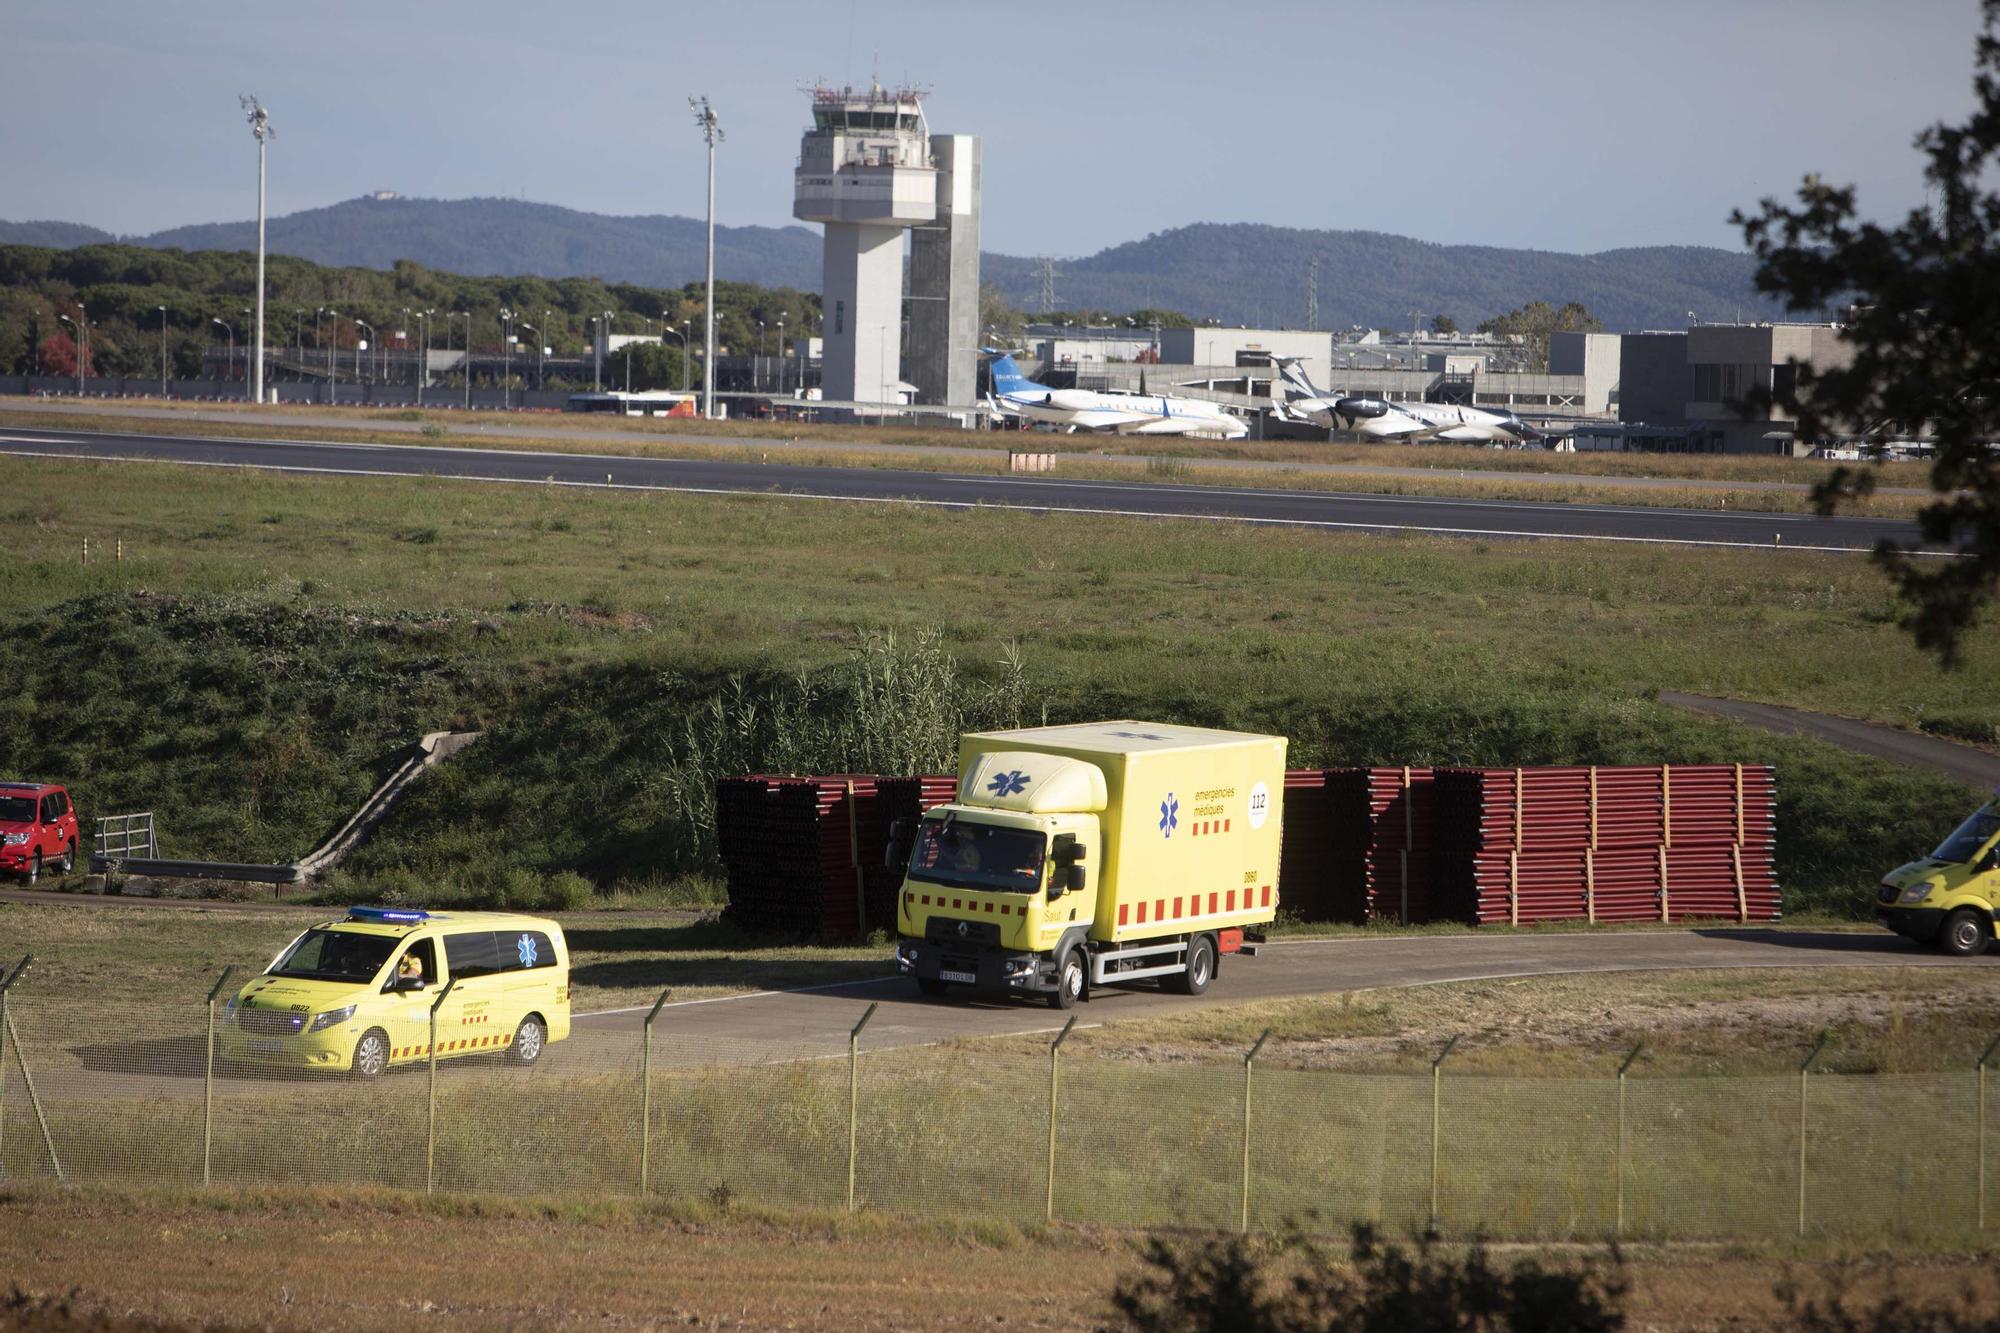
x=1200, y=968
x=529, y=1039
x=371, y=1054
x=1964, y=934
x=1070, y=979
x=929, y=986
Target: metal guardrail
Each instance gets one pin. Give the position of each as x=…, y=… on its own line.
x=250, y=874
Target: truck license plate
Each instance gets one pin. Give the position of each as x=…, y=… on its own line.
x=966, y=978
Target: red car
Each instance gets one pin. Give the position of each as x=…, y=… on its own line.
x=37, y=828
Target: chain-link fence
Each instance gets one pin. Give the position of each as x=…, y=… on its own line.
x=637, y=1103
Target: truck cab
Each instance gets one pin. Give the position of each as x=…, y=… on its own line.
x=995, y=884
x=1952, y=896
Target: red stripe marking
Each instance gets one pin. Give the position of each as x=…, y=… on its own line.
x=1225, y=826
x=1267, y=895
x=1121, y=914
x=956, y=904
x=989, y=909
x=1211, y=903
x=1177, y=907
x=1159, y=909
x=1230, y=905
x=1142, y=914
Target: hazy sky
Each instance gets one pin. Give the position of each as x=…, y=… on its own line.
x=1544, y=123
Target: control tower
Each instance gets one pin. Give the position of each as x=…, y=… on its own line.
x=869, y=168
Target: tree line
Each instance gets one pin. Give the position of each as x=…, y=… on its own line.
x=137, y=301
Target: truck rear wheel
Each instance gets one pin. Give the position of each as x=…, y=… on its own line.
x=1200, y=968
x=1964, y=934
x=1070, y=979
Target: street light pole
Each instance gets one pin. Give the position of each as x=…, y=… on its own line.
x=231, y=372
x=687, y=353
x=260, y=125
x=506, y=353
x=529, y=328
x=704, y=116
x=782, y=314
x=359, y=364
x=465, y=315
x=163, y=351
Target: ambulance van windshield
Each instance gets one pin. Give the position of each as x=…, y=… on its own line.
x=335, y=955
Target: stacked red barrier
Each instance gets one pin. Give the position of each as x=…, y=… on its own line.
x=1311, y=871
x=1665, y=843
x=1383, y=830
x=804, y=855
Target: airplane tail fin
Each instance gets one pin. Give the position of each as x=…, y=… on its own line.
x=1007, y=377
x=1297, y=383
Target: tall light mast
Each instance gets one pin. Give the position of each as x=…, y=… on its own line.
x=260, y=125
x=704, y=117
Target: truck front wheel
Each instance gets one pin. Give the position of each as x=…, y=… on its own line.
x=1200, y=968
x=930, y=986
x=1964, y=934
x=1070, y=979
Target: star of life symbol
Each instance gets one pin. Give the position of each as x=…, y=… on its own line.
x=524, y=948
x=1139, y=735
x=1008, y=784
x=1170, y=816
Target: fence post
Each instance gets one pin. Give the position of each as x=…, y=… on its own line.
x=431, y=1125
x=646, y=1096
x=1618, y=1226
x=854, y=1099
x=1803, y=1068
x=1437, y=1067
x=1979, y=1073
x=1055, y=1060
x=27, y=1078
x=1249, y=1057
x=208, y=1075
x=6, y=981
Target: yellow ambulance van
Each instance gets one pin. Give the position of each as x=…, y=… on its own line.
x=1088, y=855
x=1952, y=896
x=355, y=995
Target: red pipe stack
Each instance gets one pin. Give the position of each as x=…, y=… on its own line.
x=803, y=855
x=1383, y=829
x=1666, y=843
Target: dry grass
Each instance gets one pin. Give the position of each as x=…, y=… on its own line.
x=1717, y=1022
x=314, y=1260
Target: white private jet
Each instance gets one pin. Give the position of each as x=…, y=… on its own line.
x=1014, y=394
x=1383, y=420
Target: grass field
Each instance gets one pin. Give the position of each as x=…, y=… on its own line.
x=289, y=1258
x=268, y=644
x=1447, y=470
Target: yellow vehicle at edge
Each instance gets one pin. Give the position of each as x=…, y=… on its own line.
x=1952, y=896
x=356, y=994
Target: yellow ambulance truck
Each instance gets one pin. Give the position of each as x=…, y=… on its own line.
x=1087, y=855
x=1952, y=896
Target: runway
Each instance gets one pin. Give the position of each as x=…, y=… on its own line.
x=1330, y=511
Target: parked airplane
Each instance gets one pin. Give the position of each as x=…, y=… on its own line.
x=1384, y=420
x=1014, y=394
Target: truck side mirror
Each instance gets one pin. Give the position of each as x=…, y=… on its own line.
x=902, y=832
x=1067, y=850
x=1991, y=860
x=1075, y=877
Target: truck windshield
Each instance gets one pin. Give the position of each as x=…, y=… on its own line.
x=1974, y=833
x=965, y=855
x=335, y=955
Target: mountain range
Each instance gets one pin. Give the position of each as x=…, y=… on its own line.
x=1235, y=273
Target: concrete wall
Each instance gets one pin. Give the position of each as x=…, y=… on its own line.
x=1224, y=347
x=944, y=279
x=1653, y=378
x=1593, y=357
x=862, y=324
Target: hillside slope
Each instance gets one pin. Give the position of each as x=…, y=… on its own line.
x=1236, y=273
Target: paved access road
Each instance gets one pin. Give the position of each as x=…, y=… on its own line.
x=1369, y=513
x=1964, y=763
x=775, y=1023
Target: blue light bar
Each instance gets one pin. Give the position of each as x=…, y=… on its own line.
x=388, y=916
